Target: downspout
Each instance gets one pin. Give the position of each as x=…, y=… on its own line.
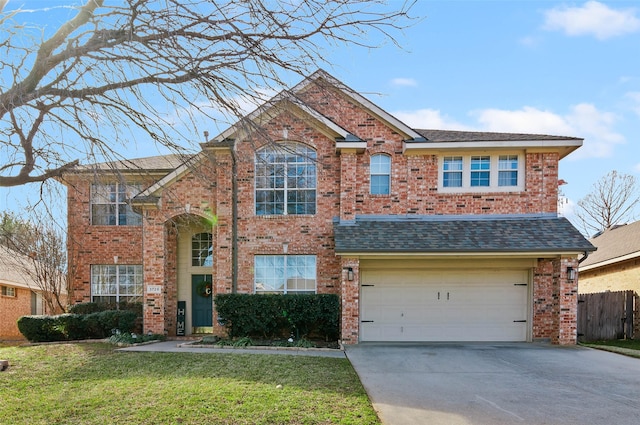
x=234, y=222
x=586, y=254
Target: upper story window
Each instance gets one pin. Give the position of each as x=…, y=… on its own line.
x=380, y=173
x=285, y=274
x=480, y=170
x=508, y=170
x=452, y=171
x=109, y=205
x=202, y=250
x=481, y=173
x=286, y=180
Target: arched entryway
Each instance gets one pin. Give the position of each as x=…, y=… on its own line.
x=194, y=260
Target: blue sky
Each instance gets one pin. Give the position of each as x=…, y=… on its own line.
x=567, y=68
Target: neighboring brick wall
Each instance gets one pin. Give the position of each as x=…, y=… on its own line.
x=621, y=276
x=11, y=309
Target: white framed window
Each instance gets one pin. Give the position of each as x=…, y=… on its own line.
x=481, y=173
x=285, y=180
x=285, y=274
x=8, y=291
x=452, y=171
x=115, y=283
x=202, y=250
x=109, y=205
x=380, y=174
x=508, y=170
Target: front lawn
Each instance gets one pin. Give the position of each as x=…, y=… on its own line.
x=93, y=384
x=629, y=347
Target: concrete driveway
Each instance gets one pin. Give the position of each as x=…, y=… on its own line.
x=505, y=383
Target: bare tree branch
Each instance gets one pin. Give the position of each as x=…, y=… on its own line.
x=155, y=68
x=611, y=201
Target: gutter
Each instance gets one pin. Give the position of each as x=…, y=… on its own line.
x=586, y=254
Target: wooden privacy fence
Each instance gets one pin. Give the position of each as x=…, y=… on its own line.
x=605, y=316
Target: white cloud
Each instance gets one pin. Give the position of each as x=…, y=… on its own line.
x=404, y=82
x=529, y=41
x=428, y=119
x=592, y=18
x=584, y=120
x=635, y=99
x=637, y=167
x=525, y=120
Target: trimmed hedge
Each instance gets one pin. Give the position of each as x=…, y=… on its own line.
x=276, y=316
x=88, y=308
x=69, y=327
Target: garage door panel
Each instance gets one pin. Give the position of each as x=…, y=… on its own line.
x=444, y=305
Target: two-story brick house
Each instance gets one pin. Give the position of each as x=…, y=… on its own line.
x=426, y=235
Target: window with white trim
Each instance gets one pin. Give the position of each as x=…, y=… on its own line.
x=115, y=283
x=202, y=250
x=481, y=173
x=452, y=171
x=8, y=291
x=380, y=174
x=285, y=179
x=285, y=274
x=109, y=205
x=508, y=170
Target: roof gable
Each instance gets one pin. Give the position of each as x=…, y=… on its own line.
x=616, y=244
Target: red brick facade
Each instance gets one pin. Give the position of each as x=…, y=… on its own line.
x=208, y=191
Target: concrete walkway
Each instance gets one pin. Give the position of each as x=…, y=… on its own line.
x=188, y=347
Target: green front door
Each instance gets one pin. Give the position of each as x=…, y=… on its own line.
x=202, y=303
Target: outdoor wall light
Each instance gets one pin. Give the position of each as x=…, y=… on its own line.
x=571, y=273
x=285, y=247
x=349, y=274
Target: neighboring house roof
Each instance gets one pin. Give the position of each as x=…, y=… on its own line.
x=619, y=243
x=12, y=265
x=455, y=234
x=159, y=163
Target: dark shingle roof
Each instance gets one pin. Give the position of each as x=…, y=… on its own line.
x=152, y=163
x=483, y=136
x=440, y=234
x=617, y=242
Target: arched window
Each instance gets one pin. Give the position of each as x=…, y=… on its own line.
x=286, y=179
x=202, y=250
x=380, y=172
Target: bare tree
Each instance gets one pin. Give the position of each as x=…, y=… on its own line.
x=115, y=70
x=38, y=252
x=611, y=201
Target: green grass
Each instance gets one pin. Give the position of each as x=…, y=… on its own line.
x=93, y=384
x=629, y=347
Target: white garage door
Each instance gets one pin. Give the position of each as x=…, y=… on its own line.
x=444, y=305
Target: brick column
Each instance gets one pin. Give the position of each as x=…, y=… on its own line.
x=350, y=301
x=348, y=178
x=223, y=237
x=153, y=242
x=566, y=314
